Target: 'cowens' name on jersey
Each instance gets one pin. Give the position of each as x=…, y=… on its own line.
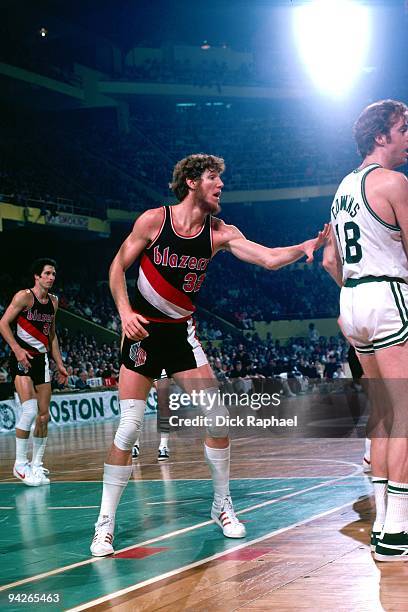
x=178, y=261
x=346, y=203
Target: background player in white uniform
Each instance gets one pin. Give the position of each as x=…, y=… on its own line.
x=367, y=254
x=160, y=334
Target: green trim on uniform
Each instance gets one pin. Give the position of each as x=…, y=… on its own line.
x=401, y=340
x=402, y=300
x=365, y=350
x=396, y=298
x=394, y=339
x=372, y=166
x=395, y=228
x=353, y=282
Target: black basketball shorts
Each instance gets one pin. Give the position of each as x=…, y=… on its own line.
x=39, y=371
x=173, y=347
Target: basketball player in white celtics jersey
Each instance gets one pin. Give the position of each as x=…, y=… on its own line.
x=174, y=245
x=367, y=254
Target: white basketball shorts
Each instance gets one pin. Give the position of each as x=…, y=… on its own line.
x=374, y=314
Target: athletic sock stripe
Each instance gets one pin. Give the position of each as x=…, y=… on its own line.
x=397, y=491
x=398, y=487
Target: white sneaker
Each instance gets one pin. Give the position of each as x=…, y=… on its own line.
x=227, y=520
x=103, y=538
x=23, y=472
x=135, y=451
x=163, y=453
x=41, y=474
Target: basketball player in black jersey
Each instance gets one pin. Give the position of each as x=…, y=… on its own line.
x=33, y=310
x=174, y=245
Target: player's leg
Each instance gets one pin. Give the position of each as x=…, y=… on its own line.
x=41, y=432
x=133, y=391
x=163, y=386
x=216, y=446
x=393, y=366
x=357, y=373
x=28, y=400
x=378, y=428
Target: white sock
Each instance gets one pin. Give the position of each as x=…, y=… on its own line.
x=380, y=494
x=21, y=450
x=218, y=460
x=115, y=479
x=38, y=450
x=396, y=518
x=164, y=440
x=367, y=452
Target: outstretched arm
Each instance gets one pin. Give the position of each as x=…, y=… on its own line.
x=331, y=259
x=229, y=238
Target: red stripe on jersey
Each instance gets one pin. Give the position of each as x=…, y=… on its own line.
x=30, y=329
x=163, y=287
x=169, y=320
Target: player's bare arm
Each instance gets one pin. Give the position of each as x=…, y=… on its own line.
x=398, y=197
x=54, y=345
x=21, y=301
x=145, y=229
x=331, y=259
x=229, y=238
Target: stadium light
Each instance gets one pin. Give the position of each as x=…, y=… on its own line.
x=333, y=38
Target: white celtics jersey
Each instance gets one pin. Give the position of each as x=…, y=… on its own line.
x=368, y=246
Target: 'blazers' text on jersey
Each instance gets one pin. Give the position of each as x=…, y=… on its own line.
x=172, y=270
x=33, y=326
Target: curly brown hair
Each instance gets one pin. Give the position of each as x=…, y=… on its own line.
x=192, y=167
x=377, y=118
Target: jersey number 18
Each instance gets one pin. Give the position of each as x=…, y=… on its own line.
x=354, y=251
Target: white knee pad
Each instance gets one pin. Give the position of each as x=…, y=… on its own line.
x=130, y=425
x=28, y=414
x=215, y=412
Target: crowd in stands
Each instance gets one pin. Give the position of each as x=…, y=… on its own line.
x=90, y=364
x=36, y=171
x=300, y=292
x=288, y=146
x=207, y=73
x=108, y=169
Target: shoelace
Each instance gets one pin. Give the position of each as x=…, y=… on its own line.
x=40, y=468
x=103, y=529
x=229, y=509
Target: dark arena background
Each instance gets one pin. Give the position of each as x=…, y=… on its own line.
x=98, y=101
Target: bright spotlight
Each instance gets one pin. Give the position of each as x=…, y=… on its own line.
x=333, y=39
